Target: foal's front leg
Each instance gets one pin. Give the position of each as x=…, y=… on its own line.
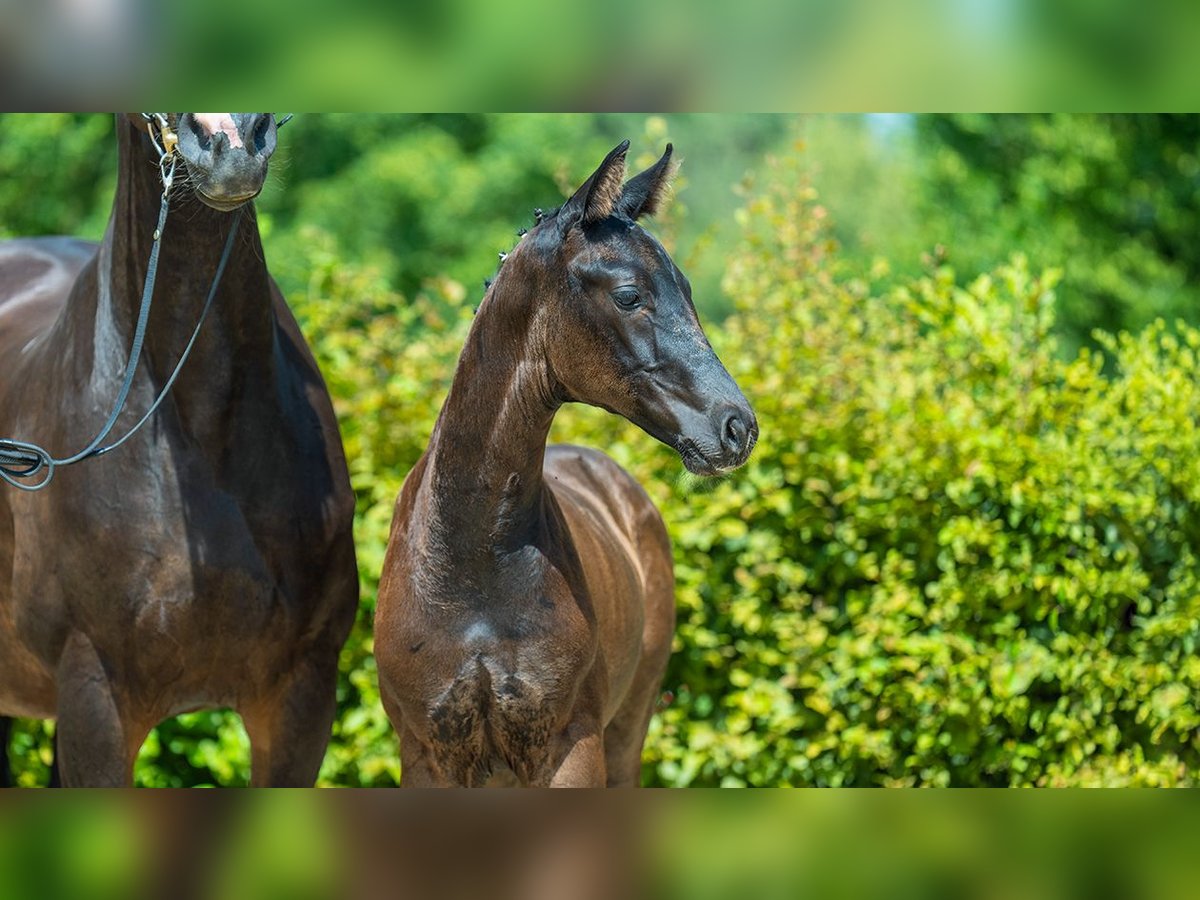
x=582, y=749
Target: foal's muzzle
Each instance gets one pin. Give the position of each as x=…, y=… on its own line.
x=739, y=433
x=722, y=446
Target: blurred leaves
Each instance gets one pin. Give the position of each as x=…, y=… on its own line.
x=1114, y=201
x=470, y=54
x=57, y=174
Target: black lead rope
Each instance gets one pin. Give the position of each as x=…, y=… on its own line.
x=24, y=460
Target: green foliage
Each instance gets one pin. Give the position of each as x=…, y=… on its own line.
x=1111, y=200
x=57, y=174
x=430, y=200
x=420, y=198
x=388, y=364
x=206, y=748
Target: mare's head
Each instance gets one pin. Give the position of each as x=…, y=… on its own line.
x=225, y=154
x=620, y=329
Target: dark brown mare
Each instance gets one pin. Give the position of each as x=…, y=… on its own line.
x=526, y=607
x=208, y=561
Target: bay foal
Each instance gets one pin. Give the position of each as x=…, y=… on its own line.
x=526, y=606
x=208, y=561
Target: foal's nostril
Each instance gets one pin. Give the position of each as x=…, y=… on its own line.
x=735, y=433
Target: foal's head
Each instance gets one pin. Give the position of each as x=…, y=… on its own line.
x=225, y=154
x=620, y=329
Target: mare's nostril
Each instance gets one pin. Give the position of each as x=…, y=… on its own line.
x=189, y=126
x=259, y=129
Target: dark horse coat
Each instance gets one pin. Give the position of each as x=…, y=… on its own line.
x=207, y=562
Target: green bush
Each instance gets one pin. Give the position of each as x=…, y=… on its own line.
x=388, y=364
x=1110, y=199
x=57, y=174
x=954, y=558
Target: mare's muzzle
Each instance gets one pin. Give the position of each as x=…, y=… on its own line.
x=226, y=155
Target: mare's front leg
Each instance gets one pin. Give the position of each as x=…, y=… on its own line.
x=289, y=728
x=96, y=744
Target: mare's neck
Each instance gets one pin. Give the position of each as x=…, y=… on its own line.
x=483, y=474
x=239, y=328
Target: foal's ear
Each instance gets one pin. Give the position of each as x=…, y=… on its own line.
x=644, y=194
x=597, y=197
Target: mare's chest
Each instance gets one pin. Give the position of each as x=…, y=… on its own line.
x=170, y=516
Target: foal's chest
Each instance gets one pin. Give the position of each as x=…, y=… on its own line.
x=499, y=679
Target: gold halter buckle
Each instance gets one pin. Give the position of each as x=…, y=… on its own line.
x=169, y=138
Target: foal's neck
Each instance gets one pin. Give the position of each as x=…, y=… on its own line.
x=484, y=463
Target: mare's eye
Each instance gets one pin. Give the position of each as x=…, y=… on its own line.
x=626, y=297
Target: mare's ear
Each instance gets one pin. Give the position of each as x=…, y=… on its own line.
x=597, y=197
x=644, y=194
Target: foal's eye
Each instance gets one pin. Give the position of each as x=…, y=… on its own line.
x=626, y=297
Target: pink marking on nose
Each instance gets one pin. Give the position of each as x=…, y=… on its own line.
x=222, y=122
